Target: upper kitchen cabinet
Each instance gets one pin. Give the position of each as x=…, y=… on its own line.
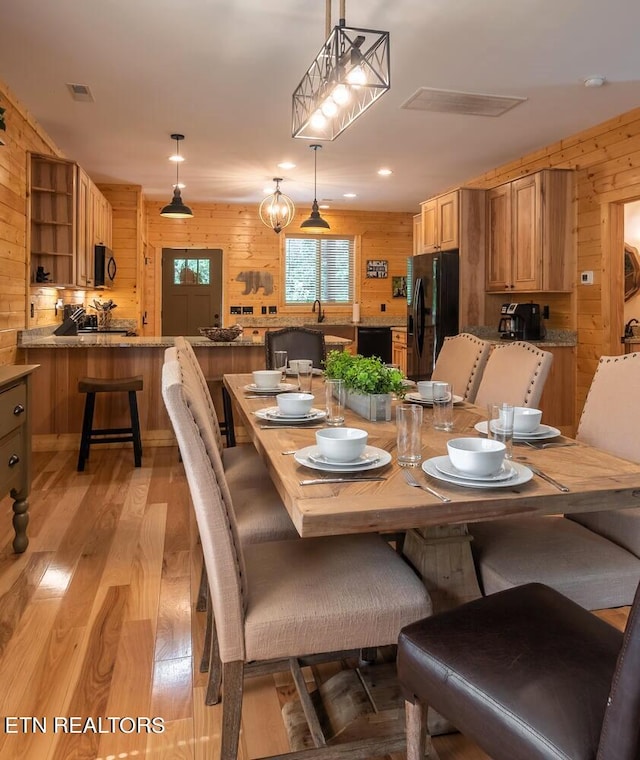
x=417, y=234
x=94, y=227
x=440, y=223
x=52, y=220
x=530, y=234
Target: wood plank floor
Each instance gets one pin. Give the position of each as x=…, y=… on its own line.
x=98, y=620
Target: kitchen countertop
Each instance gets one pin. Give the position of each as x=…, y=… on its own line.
x=553, y=339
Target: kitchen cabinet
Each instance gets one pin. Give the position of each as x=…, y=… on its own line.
x=52, y=220
x=440, y=223
x=399, y=349
x=94, y=226
x=530, y=234
x=417, y=234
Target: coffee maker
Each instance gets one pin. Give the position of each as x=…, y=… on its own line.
x=521, y=321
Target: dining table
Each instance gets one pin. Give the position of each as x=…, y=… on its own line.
x=437, y=534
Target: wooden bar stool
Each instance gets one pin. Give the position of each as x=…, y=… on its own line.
x=93, y=385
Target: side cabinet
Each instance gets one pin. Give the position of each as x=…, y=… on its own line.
x=399, y=349
x=94, y=226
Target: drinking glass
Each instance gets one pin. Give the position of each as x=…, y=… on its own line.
x=305, y=375
x=409, y=434
x=280, y=362
x=335, y=397
x=442, y=406
x=500, y=425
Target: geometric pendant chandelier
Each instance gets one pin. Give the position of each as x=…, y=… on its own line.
x=350, y=72
x=277, y=209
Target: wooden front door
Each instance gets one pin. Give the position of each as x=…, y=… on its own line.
x=191, y=290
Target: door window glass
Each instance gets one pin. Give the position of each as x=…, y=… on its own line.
x=191, y=272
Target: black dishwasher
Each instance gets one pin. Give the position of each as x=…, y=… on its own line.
x=375, y=341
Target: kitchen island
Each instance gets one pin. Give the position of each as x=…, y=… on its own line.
x=57, y=407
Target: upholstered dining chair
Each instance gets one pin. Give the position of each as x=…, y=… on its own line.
x=593, y=558
x=461, y=362
x=298, y=342
x=279, y=601
x=527, y=674
x=515, y=373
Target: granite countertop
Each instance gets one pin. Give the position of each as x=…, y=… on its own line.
x=276, y=322
x=43, y=338
x=553, y=338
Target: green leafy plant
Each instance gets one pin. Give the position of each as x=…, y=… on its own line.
x=364, y=374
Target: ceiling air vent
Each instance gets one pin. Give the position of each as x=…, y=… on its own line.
x=452, y=101
x=81, y=92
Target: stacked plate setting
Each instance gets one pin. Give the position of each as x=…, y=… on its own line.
x=273, y=414
x=371, y=458
x=541, y=433
x=280, y=388
x=510, y=474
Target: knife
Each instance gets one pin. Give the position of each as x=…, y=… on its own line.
x=317, y=481
x=546, y=477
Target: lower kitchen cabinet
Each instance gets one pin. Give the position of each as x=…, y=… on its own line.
x=399, y=349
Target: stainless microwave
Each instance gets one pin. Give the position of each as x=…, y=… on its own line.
x=105, y=267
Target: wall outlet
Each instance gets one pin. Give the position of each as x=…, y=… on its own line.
x=383, y=307
x=273, y=309
x=263, y=309
x=586, y=278
x=545, y=312
x=32, y=309
x=235, y=310
x=247, y=309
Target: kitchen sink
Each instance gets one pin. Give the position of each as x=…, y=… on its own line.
x=345, y=330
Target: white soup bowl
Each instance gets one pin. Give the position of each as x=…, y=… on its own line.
x=341, y=444
x=297, y=365
x=476, y=456
x=294, y=404
x=267, y=378
x=525, y=419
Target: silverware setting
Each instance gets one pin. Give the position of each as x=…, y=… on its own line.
x=544, y=475
x=412, y=481
x=318, y=481
x=557, y=444
x=290, y=451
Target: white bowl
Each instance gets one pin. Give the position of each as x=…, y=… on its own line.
x=341, y=444
x=295, y=365
x=476, y=456
x=525, y=419
x=425, y=389
x=294, y=404
x=267, y=378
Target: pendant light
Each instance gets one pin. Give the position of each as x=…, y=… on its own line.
x=176, y=209
x=315, y=222
x=277, y=209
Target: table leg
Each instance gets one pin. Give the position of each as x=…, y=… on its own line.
x=20, y=522
x=442, y=556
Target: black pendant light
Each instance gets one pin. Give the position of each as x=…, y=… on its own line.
x=176, y=209
x=315, y=223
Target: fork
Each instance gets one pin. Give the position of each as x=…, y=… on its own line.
x=552, y=445
x=411, y=480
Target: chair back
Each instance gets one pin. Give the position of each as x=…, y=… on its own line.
x=620, y=735
x=213, y=508
x=609, y=421
x=461, y=362
x=515, y=373
x=298, y=342
x=190, y=364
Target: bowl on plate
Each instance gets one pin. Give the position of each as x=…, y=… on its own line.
x=476, y=456
x=425, y=389
x=294, y=404
x=267, y=378
x=341, y=444
x=296, y=365
x=525, y=419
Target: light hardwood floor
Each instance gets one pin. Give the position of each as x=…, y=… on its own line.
x=98, y=619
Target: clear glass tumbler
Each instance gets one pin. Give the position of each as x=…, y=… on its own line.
x=442, y=406
x=500, y=425
x=280, y=362
x=335, y=398
x=409, y=434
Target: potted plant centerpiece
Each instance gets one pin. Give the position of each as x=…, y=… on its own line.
x=368, y=381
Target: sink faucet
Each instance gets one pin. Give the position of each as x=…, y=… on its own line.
x=320, y=313
x=628, y=332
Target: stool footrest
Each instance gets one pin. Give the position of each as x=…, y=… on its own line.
x=112, y=439
x=95, y=431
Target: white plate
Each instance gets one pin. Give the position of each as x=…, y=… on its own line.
x=282, y=388
x=369, y=456
x=417, y=399
x=302, y=457
x=522, y=475
x=272, y=414
x=444, y=466
x=541, y=433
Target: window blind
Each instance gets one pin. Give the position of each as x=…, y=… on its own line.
x=319, y=267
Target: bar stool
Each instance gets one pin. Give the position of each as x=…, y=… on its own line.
x=93, y=385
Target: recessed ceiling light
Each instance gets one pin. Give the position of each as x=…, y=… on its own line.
x=176, y=157
x=384, y=172
x=324, y=205
x=267, y=190
x=349, y=195
x=594, y=81
x=286, y=165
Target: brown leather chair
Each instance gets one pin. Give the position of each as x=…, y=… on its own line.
x=528, y=675
x=298, y=342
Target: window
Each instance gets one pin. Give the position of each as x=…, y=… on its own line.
x=318, y=267
x=191, y=272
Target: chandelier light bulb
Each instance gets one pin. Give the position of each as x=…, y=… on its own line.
x=329, y=108
x=357, y=77
x=318, y=121
x=341, y=94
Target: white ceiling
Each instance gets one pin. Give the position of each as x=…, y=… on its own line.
x=223, y=71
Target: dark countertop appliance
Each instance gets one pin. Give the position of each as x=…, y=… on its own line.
x=105, y=267
x=521, y=321
x=432, y=303
x=375, y=341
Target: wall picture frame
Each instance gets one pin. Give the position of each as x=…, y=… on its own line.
x=377, y=269
x=399, y=287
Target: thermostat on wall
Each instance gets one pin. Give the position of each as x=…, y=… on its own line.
x=586, y=278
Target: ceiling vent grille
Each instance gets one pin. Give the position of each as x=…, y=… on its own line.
x=81, y=92
x=453, y=101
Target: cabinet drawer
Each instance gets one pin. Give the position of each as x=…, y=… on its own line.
x=12, y=461
x=399, y=336
x=13, y=408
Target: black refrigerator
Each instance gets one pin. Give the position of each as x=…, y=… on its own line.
x=432, y=309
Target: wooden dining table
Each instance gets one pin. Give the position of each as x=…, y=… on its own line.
x=438, y=535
